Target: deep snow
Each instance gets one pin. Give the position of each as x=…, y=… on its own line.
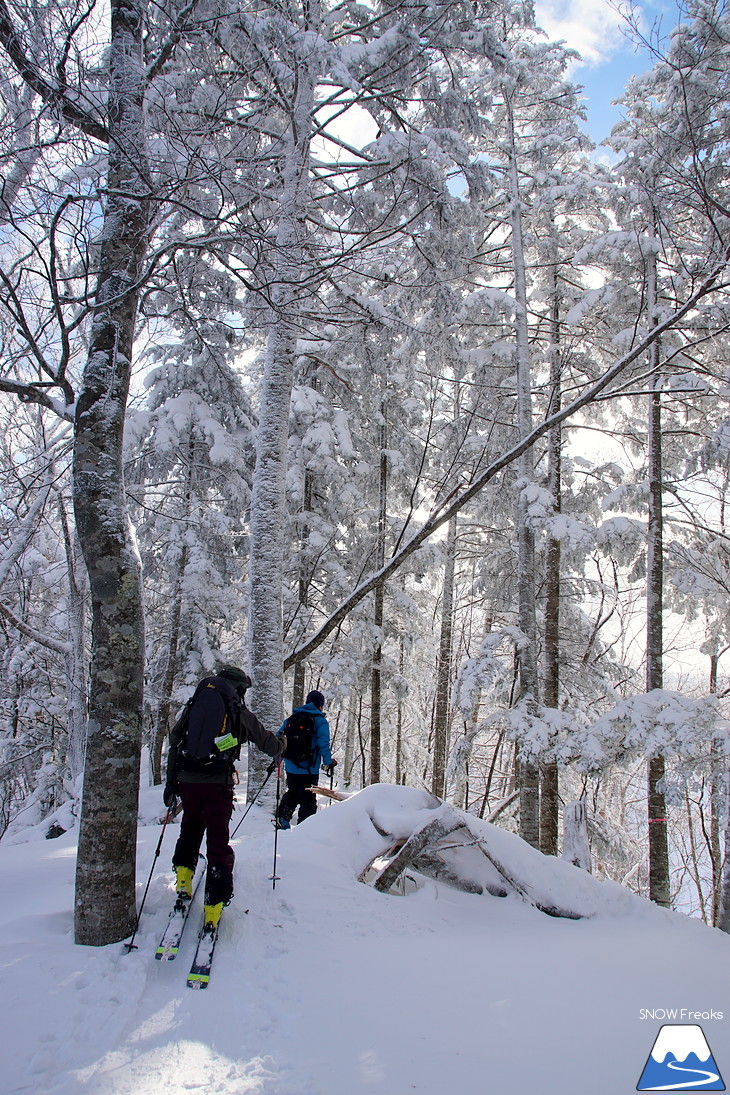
x=325, y=987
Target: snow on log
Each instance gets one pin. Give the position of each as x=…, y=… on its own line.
x=409, y=832
x=466, y=860
x=432, y=863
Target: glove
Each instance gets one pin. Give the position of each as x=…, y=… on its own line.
x=330, y=768
x=169, y=796
x=282, y=739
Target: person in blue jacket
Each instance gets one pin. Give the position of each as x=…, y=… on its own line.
x=300, y=777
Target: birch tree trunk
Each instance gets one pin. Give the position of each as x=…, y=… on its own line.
x=106, y=864
x=656, y=801
x=268, y=501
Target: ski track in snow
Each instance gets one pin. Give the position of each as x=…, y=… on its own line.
x=325, y=987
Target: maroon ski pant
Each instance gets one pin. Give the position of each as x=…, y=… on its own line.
x=207, y=809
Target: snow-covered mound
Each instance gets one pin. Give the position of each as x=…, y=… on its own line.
x=323, y=985
x=365, y=825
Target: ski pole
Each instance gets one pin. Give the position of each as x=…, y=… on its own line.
x=130, y=945
x=274, y=876
x=269, y=771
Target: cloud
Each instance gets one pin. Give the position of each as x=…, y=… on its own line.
x=592, y=27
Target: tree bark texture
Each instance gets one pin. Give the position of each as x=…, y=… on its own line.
x=162, y=722
x=576, y=847
x=268, y=501
x=268, y=512
x=305, y=577
x=549, y=781
x=529, y=775
x=723, y=916
x=106, y=864
x=376, y=683
x=75, y=660
x=656, y=801
x=443, y=671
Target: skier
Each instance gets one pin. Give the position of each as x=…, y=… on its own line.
x=203, y=779
x=302, y=764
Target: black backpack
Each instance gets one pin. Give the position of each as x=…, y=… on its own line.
x=209, y=728
x=299, y=731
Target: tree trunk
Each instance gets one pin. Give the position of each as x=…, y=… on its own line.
x=351, y=726
x=723, y=914
x=376, y=683
x=266, y=565
x=268, y=500
x=443, y=671
x=576, y=848
x=549, y=783
x=305, y=577
x=529, y=776
x=716, y=797
x=77, y=657
x=106, y=863
x=399, y=773
x=657, y=809
x=162, y=722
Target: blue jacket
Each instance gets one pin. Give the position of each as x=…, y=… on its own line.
x=320, y=743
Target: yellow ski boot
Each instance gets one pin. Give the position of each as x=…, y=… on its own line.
x=184, y=881
x=212, y=915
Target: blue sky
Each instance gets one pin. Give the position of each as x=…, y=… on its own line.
x=594, y=29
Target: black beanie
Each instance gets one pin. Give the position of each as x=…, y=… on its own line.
x=316, y=698
x=235, y=675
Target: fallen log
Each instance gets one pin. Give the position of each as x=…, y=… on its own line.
x=432, y=864
x=516, y=885
x=387, y=853
x=330, y=792
x=434, y=830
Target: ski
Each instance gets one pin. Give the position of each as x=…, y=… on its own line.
x=169, y=945
x=199, y=975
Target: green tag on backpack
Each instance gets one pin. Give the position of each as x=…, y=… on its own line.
x=225, y=741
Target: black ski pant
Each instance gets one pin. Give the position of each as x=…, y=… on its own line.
x=207, y=809
x=298, y=794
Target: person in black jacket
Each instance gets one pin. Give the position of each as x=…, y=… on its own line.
x=205, y=788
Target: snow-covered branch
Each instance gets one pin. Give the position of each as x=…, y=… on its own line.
x=444, y=516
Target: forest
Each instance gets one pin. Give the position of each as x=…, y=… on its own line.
x=331, y=347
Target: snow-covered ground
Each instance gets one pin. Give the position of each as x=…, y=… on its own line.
x=325, y=987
